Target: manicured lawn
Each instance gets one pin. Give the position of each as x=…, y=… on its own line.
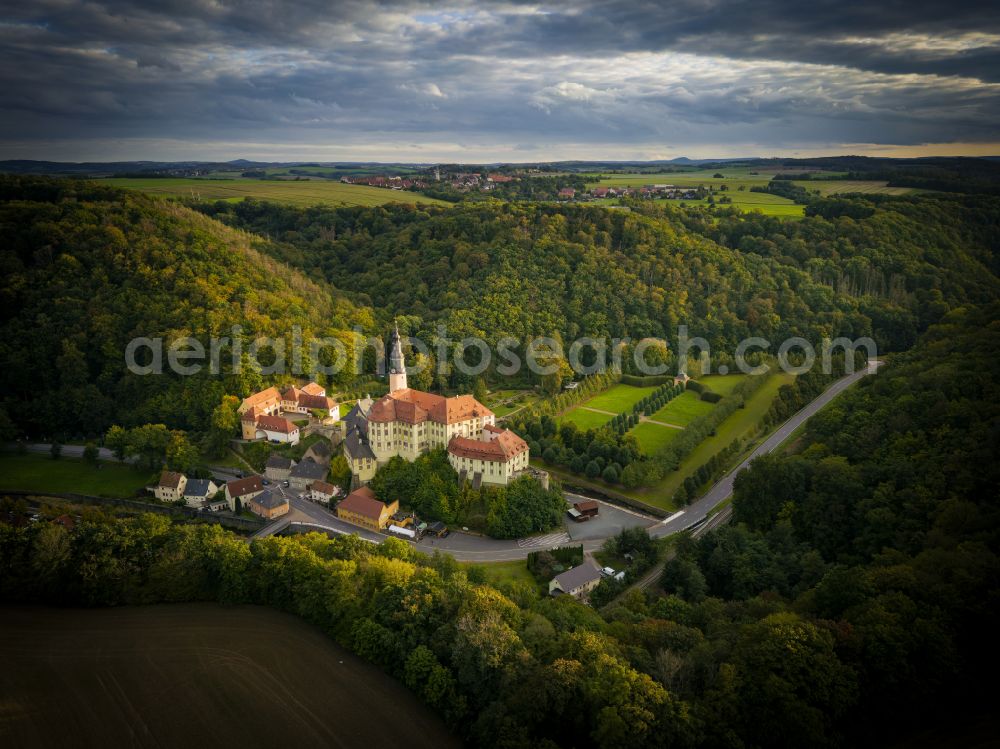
x=683, y=409
x=504, y=402
x=42, y=474
x=499, y=572
x=298, y=193
x=585, y=419
x=722, y=384
x=737, y=425
x=653, y=437
x=619, y=398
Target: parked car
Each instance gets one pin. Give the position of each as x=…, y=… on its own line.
x=285, y=484
x=265, y=482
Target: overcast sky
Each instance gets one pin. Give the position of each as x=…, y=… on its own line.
x=505, y=81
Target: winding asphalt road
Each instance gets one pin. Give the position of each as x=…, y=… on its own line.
x=473, y=548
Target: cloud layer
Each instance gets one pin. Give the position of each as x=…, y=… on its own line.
x=494, y=81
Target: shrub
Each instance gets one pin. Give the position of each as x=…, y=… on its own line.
x=710, y=396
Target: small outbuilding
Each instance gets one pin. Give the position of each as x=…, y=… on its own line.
x=585, y=510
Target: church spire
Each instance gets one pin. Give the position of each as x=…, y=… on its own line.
x=397, y=367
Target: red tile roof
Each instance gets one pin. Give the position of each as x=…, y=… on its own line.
x=275, y=424
x=322, y=487
x=263, y=396
x=415, y=406
x=242, y=487
x=170, y=479
x=363, y=501
x=313, y=389
x=307, y=399
x=499, y=450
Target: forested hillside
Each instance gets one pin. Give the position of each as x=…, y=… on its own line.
x=858, y=267
x=853, y=602
x=86, y=269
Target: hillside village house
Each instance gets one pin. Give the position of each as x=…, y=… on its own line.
x=408, y=423
x=310, y=398
x=170, y=487
x=321, y=491
x=261, y=413
x=362, y=507
x=577, y=582
x=278, y=467
x=320, y=451
x=268, y=504
x=306, y=473
x=199, y=491
x=243, y=490
x=276, y=429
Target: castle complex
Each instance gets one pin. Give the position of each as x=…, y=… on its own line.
x=408, y=423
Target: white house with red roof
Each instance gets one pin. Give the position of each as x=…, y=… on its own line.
x=276, y=429
x=310, y=398
x=261, y=414
x=497, y=456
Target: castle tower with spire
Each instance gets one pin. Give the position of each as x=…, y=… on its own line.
x=397, y=368
x=408, y=423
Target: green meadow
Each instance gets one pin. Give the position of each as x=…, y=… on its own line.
x=683, y=409
x=40, y=473
x=843, y=186
x=619, y=398
x=585, y=419
x=653, y=437
x=290, y=192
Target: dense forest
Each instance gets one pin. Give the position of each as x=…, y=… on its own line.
x=887, y=269
x=87, y=268
x=852, y=602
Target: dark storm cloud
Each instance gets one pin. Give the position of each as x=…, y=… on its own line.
x=768, y=72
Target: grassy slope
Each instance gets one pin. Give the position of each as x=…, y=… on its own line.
x=722, y=384
x=618, y=398
x=737, y=425
x=683, y=409
x=500, y=572
x=585, y=419
x=653, y=437
x=298, y=193
x=42, y=474
x=837, y=186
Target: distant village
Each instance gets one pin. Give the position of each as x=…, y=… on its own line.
x=489, y=181
x=461, y=181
